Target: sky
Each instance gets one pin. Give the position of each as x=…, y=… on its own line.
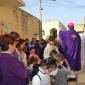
x=63, y=10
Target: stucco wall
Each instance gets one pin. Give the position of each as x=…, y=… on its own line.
x=15, y=19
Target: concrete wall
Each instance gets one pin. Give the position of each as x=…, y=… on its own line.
x=47, y=25
x=16, y=19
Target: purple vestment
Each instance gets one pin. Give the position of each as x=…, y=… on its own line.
x=12, y=71
x=71, y=45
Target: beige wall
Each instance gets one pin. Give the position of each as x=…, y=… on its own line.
x=47, y=25
x=28, y=23
x=79, y=27
x=15, y=19
x=5, y=19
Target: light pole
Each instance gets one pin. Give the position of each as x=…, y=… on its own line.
x=84, y=24
x=40, y=15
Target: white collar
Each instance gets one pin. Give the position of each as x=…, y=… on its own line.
x=41, y=70
x=6, y=52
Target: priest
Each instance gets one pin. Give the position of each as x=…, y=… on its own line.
x=71, y=46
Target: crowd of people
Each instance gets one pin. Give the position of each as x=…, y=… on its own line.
x=42, y=62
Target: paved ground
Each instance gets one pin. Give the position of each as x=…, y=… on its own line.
x=73, y=83
x=81, y=79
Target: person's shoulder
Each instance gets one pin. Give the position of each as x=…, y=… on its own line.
x=36, y=78
x=13, y=58
x=6, y=55
x=63, y=31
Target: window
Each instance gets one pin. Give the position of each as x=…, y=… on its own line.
x=53, y=32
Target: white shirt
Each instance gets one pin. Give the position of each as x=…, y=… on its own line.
x=53, y=73
x=47, y=50
x=43, y=80
x=35, y=80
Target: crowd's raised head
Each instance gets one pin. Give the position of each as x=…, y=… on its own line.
x=5, y=41
x=51, y=38
x=15, y=35
x=59, y=57
x=19, y=42
x=53, y=53
x=71, y=25
x=49, y=62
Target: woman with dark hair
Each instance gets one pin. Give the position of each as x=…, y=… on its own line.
x=20, y=46
x=15, y=35
x=13, y=73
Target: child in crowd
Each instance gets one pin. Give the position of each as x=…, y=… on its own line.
x=61, y=72
x=33, y=57
x=61, y=76
x=33, y=61
x=42, y=77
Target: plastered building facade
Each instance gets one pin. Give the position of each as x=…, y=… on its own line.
x=13, y=18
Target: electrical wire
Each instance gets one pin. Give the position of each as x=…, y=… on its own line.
x=35, y=4
x=66, y=4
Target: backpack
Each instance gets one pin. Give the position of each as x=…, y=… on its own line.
x=39, y=76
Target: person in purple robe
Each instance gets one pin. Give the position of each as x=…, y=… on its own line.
x=12, y=72
x=71, y=46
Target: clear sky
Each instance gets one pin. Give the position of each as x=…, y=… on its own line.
x=62, y=10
